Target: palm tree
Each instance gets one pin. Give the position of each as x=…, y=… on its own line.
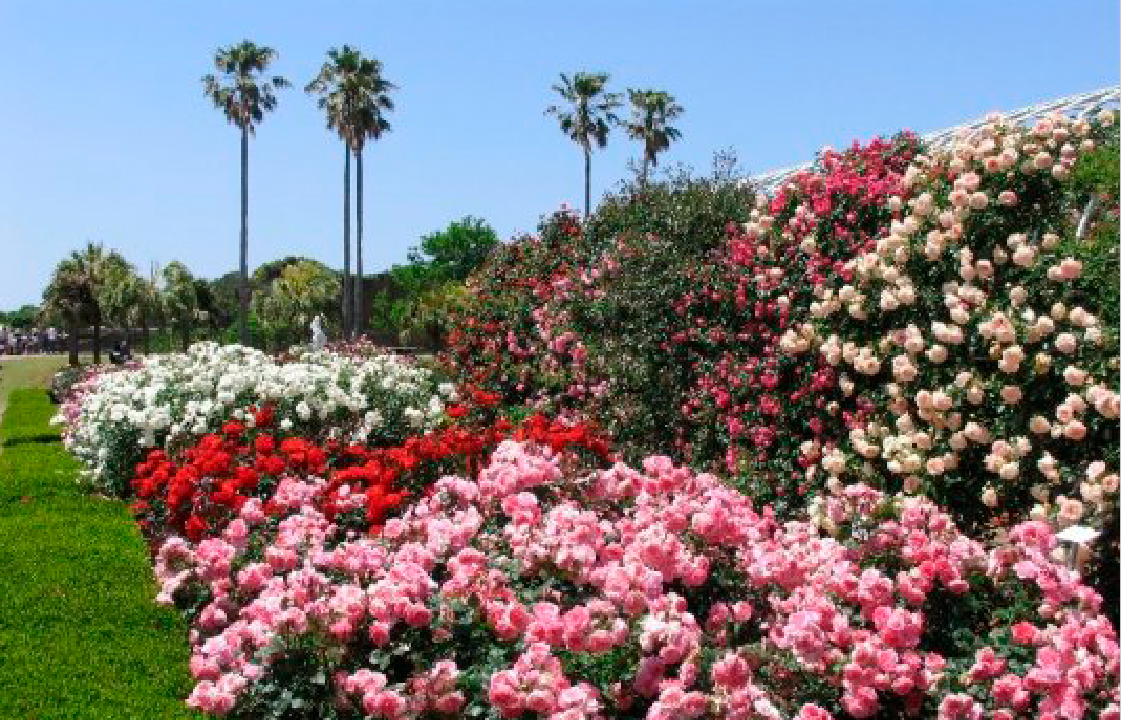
x=244, y=97
x=590, y=118
x=119, y=296
x=180, y=299
x=367, y=121
x=75, y=289
x=354, y=96
x=651, y=113
x=150, y=306
x=65, y=302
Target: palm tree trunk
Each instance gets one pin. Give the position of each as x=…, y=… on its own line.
x=646, y=170
x=356, y=316
x=587, y=180
x=97, y=342
x=347, y=243
x=185, y=330
x=72, y=341
x=243, y=284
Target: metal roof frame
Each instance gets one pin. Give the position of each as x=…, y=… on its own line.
x=1074, y=106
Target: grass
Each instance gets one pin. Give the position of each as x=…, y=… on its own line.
x=28, y=419
x=27, y=371
x=80, y=635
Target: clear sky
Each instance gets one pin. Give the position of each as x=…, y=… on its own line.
x=105, y=134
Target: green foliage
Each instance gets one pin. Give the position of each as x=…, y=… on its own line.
x=181, y=303
x=650, y=245
x=687, y=211
x=592, y=112
x=428, y=316
x=1096, y=176
x=353, y=95
x=78, y=285
x=239, y=90
x=301, y=291
x=417, y=304
x=455, y=252
x=23, y=318
x=120, y=294
x=651, y=114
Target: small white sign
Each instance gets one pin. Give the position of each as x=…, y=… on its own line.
x=1079, y=534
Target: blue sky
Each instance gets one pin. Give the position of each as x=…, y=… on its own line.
x=105, y=134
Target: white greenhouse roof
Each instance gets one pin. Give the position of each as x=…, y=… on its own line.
x=1074, y=106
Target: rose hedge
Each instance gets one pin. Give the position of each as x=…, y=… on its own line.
x=808, y=345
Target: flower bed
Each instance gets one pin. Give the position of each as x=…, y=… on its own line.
x=169, y=401
x=536, y=591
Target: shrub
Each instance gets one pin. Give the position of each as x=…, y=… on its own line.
x=992, y=389
x=170, y=401
x=661, y=323
x=532, y=591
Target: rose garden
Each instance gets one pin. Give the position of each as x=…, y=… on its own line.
x=844, y=449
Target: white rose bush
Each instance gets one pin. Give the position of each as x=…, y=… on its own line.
x=170, y=401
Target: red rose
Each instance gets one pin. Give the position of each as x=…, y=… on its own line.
x=195, y=527
x=1025, y=633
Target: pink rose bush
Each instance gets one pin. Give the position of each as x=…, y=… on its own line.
x=991, y=388
x=535, y=591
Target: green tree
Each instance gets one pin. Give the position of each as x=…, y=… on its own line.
x=428, y=316
x=180, y=300
x=66, y=303
x=651, y=114
x=355, y=99
x=119, y=296
x=301, y=291
x=588, y=119
x=75, y=289
x=151, y=307
x=455, y=252
x=23, y=318
x=244, y=96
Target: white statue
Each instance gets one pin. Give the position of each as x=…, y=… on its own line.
x=319, y=337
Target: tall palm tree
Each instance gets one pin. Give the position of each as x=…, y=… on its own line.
x=589, y=119
x=355, y=97
x=242, y=93
x=651, y=114
x=368, y=122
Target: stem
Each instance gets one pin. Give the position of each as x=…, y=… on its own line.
x=347, y=242
x=243, y=285
x=357, y=290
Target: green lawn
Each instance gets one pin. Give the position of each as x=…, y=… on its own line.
x=30, y=371
x=80, y=635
